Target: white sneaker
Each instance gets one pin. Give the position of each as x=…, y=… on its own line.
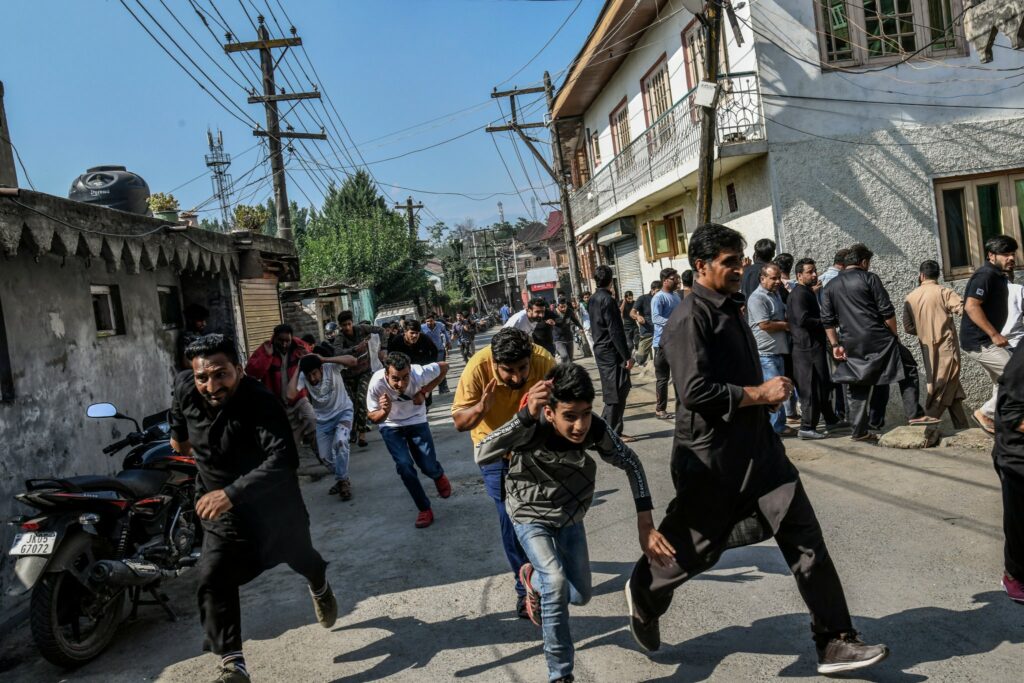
x=810, y=434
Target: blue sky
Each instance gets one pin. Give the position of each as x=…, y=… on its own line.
x=85, y=86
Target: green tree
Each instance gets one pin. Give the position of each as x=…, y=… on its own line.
x=358, y=195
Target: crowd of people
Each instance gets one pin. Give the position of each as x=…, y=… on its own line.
x=755, y=351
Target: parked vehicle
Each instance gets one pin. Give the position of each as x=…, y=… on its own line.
x=98, y=542
x=393, y=312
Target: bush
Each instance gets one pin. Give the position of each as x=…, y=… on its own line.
x=251, y=218
x=162, y=202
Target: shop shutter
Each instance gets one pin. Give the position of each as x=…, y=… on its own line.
x=261, y=310
x=627, y=267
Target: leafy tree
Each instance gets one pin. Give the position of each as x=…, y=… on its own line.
x=358, y=195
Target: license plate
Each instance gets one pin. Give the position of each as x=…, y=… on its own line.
x=35, y=543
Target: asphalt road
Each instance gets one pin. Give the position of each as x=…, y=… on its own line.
x=916, y=536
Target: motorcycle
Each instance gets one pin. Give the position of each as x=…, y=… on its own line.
x=99, y=541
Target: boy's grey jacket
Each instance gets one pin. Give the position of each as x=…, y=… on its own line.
x=550, y=480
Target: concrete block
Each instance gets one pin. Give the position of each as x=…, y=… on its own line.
x=911, y=437
x=975, y=439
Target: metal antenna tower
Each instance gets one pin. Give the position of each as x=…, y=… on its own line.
x=218, y=162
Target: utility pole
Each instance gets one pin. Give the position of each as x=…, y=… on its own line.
x=270, y=98
x=8, y=174
x=409, y=207
x=218, y=162
x=706, y=172
x=557, y=173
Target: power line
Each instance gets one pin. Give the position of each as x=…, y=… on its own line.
x=20, y=162
x=510, y=178
x=545, y=46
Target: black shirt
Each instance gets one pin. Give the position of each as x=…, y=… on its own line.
x=713, y=355
x=989, y=286
x=804, y=317
x=642, y=306
x=422, y=352
x=544, y=334
x=610, y=346
x=562, y=331
x=1009, y=447
x=627, y=320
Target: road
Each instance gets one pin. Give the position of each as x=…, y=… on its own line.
x=916, y=535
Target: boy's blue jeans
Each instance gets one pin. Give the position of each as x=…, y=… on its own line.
x=561, y=574
x=332, y=441
x=412, y=446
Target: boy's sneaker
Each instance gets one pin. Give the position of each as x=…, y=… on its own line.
x=325, y=606
x=424, y=519
x=847, y=652
x=810, y=434
x=646, y=634
x=444, y=487
x=521, y=610
x=1013, y=588
x=532, y=596
x=229, y=673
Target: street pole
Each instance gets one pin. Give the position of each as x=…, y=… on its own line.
x=270, y=98
x=709, y=119
x=568, y=232
x=409, y=207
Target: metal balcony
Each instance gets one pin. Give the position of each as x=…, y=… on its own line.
x=671, y=142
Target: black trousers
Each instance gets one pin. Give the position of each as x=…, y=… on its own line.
x=228, y=564
x=862, y=404
x=1013, y=520
x=615, y=386
x=813, y=387
x=799, y=538
x=662, y=374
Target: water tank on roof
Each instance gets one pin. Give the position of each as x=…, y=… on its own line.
x=112, y=186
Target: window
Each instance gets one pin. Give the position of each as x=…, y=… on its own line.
x=170, y=307
x=657, y=97
x=970, y=210
x=730, y=193
x=6, y=372
x=106, y=310
x=620, y=135
x=665, y=238
x=859, y=31
x=694, y=50
x=595, y=149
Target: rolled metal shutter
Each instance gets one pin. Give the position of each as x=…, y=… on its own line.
x=627, y=267
x=261, y=310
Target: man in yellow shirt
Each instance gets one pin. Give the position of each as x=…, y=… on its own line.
x=489, y=393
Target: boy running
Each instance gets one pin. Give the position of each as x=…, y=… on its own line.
x=548, y=489
x=397, y=398
x=322, y=381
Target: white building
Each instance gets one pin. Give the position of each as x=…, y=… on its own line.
x=841, y=121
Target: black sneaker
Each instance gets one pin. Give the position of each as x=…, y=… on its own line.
x=565, y=679
x=325, y=606
x=646, y=634
x=231, y=674
x=521, y=610
x=847, y=652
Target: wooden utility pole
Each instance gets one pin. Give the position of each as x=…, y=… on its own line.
x=709, y=120
x=8, y=174
x=270, y=98
x=409, y=208
x=557, y=173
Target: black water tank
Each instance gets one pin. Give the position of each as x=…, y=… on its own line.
x=112, y=186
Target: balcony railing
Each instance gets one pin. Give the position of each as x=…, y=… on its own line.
x=672, y=140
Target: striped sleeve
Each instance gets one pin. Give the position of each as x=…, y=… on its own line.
x=615, y=452
x=516, y=432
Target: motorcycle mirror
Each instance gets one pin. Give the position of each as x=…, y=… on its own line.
x=102, y=410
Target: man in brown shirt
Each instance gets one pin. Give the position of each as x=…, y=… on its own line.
x=928, y=314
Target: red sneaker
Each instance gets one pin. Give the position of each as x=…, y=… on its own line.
x=1014, y=588
x=532, y=596
x=444, y=487
x=424, y=519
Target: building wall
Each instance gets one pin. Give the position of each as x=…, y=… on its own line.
x=663, y=38
x=61, y=366
x=753, y=216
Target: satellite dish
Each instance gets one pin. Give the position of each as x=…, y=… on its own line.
x=694, y=6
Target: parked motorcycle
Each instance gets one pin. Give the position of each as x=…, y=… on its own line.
x=99, y=541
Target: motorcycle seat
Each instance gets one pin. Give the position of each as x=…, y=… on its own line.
x=130, y=483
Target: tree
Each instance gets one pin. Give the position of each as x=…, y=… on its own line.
x=449, y=247
x=358, y=195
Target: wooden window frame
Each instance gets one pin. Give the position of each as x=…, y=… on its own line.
x=595, y=149
x=856, y=19
x=650, y=241
x=113, y=294
x=1009, y=215
x=171, y=291
x=688, y=65
x=680, y=239
x=660, y=63
x=617, y=145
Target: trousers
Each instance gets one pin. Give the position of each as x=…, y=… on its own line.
x=1013, y=520
x=410, y=447
x=799, y=538
x=993, y=359
x=910, y=393
x=662, y=375
x=225, y=566
x=494, y=483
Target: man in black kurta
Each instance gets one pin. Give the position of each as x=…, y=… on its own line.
x=869, y=351
x=1008, y=454
x=611, y=352
x=734, y=484
x=809, y=348
x=247, y=492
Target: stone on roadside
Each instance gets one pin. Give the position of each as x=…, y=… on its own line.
x=911, y=436
x=975, y=439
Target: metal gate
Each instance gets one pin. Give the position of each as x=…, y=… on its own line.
x=261, y=310
x=627, y=267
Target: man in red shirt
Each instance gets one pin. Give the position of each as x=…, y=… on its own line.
x=273, y=365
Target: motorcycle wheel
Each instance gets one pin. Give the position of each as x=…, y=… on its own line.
x=64, y=633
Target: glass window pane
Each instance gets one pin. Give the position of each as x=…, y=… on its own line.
x=661, y=238
x=1019, y=188
x=940, y=16
x=956, y=227
x=989, y=213
x=101, y=312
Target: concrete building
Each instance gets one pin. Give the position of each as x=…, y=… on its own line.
x=91, y=303
x=838, y=122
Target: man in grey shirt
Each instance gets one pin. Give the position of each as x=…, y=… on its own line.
x=766, y=315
